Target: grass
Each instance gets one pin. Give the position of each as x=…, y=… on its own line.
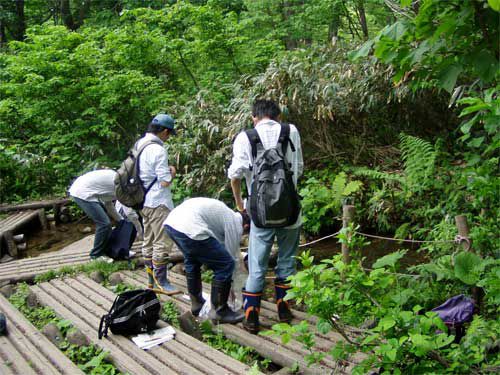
x=90, y=358
x=241, y=353
x=105, y=268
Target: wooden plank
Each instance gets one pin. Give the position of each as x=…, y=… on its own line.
x=121, y=360
x=269, y=347
x=88, y=311
x=35, y=348
x=34, y=205
x=163, y=362
x=14, y=358
x=184, y=345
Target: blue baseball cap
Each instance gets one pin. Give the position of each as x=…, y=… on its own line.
x=166, y=121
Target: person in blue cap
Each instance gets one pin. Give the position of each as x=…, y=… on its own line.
x=157, y=176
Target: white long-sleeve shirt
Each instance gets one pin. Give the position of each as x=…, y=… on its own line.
x=201, y=218
x=97, y=186
x=269, y=132
x=153, y=162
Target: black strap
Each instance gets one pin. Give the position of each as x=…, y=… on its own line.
x=253, y=137
x=284, y=137
x=103, y=327
x=139, y=152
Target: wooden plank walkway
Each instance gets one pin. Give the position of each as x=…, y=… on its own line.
x=25, y=350
x=28, y=268
x=286, y=355
x=14, y=223
x=82, y=301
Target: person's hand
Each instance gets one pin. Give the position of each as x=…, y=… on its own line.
x=173, y=171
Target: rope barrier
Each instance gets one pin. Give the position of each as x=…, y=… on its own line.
x=308, y=243
x=457, y=240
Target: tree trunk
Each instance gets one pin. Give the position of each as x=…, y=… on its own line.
x=66, y=15
x=360, y=7
x=83, y=11
x=19, y=28
x=3, y=38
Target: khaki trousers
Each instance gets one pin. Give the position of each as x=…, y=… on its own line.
x=156, y=245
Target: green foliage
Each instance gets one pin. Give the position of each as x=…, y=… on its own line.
x=105, y=268
x=419, y=159
x=241, y=353
x=170, y=313
x=323, y=195
x=407, y=337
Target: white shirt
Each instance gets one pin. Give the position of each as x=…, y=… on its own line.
x=153, y=162
x=269, y=132
x=201, y=218
x=97, y=186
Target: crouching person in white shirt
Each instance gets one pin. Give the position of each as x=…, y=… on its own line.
x=208, y=232
x=94, y=193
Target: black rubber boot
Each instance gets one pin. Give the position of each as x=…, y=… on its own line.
x=195, y=292
x=251, y=305
x=221, y=313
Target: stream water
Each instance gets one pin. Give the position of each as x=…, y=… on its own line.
x=57, y=237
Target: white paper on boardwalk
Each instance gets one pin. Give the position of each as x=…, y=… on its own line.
x=153, y=338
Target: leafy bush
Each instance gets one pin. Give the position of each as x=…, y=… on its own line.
x=406, y=337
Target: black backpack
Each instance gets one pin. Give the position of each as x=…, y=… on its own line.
x=121, y=240
x=133, y=312
x=129, y=188
x=274, y=202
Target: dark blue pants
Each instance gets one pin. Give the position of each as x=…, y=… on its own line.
x=209, y=252
x=98, y=214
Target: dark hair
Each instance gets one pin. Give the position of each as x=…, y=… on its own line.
x=265, y=108
x=155, y=128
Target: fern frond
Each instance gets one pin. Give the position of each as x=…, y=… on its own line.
x=419, y=157
x=377, y=175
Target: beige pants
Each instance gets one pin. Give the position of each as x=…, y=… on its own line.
x=156, y=245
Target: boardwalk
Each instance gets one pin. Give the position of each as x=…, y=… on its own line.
x=83, y=301
x=183, y=355
x=26, y=351
x=286, y=355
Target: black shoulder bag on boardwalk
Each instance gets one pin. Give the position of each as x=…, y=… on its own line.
x=274, y=202
x=129, y=188
x=133, y=312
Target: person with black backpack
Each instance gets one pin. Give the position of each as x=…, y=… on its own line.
x=269, y=157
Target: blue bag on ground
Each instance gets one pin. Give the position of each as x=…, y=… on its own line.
x=454, y=313
x=121, y=240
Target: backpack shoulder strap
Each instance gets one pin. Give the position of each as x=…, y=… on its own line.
x=253, y=137
x=146, y=144
x=284, y=138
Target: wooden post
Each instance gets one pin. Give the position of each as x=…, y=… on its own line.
x=57, y=212
x=463, y=230
x=11, y=245
x=43, y=219
x=347, y=216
